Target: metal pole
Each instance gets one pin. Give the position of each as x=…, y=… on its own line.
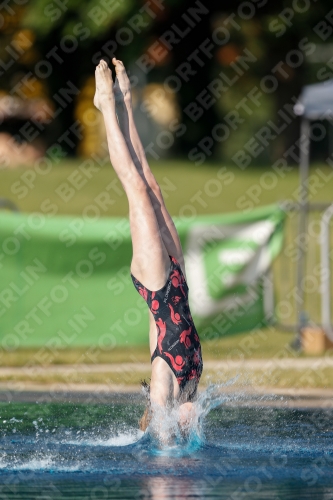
x=303, y=201
x=330, y=137
x=326, y=272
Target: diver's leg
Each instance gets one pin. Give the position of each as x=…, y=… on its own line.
x=126, y=121
x=150, y=263
x=161, y=383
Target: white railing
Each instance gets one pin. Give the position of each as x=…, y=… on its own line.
x=326, y=272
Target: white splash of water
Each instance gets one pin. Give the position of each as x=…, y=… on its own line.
x=46, y=463
x=124, y=438
x=3, y=462
x=167, y=437
x=35, y=463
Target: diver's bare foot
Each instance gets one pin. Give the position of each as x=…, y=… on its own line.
x=122, y=85
x=104, y=86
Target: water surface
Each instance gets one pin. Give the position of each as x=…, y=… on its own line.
x=95, y=451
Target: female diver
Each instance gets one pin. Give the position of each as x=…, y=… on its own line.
x=157, y=267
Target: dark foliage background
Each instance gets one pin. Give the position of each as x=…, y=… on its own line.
x=277, y=46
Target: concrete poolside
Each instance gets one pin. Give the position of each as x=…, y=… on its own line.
x=292, y=383
x=285, y=363
x=107, y=394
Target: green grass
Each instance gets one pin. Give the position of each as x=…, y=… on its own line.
x=260, y=344
x=68, y=356
x=106, y=378
x=282, y=378
x=268, y=376
x=186, y=185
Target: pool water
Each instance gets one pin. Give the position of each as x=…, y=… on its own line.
x=95, y=451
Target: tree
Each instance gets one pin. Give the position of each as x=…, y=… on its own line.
x=184, y=46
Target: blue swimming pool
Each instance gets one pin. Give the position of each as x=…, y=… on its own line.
x=95, y=451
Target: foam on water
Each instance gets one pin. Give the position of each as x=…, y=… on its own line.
x=49, y=462
x=34, y=463
x=124, y=438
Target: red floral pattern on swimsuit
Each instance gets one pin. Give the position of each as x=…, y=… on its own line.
x=177, y=339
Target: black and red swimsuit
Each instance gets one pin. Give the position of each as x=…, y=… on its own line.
x=177, y=339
